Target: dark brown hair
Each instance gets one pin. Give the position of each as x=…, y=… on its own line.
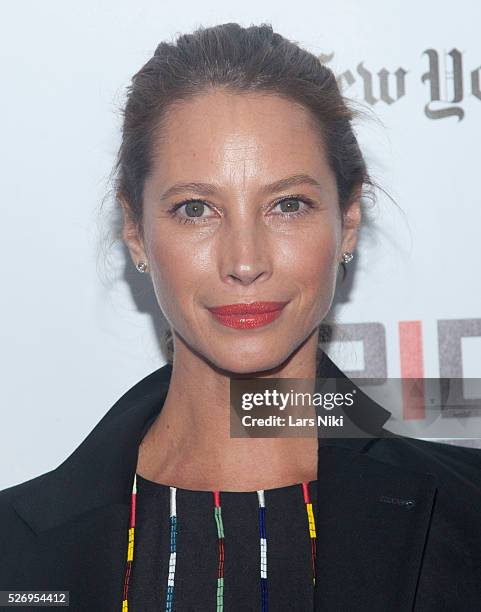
x=238, y=59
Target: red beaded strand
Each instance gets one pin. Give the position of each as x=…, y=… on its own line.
x=130, y=550
x=312, y=527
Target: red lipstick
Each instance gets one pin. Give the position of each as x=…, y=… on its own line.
x=247, y=316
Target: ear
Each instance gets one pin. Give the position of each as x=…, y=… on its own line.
x=351, y=223
x=131, y=235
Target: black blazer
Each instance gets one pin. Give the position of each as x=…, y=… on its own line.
x=398, y=519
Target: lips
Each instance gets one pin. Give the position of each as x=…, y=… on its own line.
x=247, y=316
x=253, y=308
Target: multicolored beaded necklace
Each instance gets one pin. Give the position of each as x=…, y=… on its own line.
x=220, y=536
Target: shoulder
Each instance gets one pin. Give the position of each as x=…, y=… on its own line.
x=126, y=416
x=448, y=463
x=11, y=492
x=8, y=515
x=17, y=539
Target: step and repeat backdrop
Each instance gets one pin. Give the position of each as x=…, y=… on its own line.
x=80, y=326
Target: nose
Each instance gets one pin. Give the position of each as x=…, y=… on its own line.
x=245, y=256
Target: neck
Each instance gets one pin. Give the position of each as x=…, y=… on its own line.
x=189, y=444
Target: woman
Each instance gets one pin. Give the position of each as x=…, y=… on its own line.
x=241, y=183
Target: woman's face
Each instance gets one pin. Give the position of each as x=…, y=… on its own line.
x=250, y=234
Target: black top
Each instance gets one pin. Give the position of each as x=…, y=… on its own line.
x=289, y=550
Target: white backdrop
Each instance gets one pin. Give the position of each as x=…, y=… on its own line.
x=76, y=332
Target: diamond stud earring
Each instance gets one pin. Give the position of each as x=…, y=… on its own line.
x=347, y=257
x=141, y=266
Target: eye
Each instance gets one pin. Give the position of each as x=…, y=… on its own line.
x=291, y=206
x=194, y=209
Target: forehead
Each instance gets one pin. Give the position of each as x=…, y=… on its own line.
x=221, y=131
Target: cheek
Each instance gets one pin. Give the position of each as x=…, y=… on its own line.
x=178, y=270
x=167, y=270
x=311, y=261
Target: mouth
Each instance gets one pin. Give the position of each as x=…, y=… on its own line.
x=247, y=316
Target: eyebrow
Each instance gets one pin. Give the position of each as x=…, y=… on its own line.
x=208, y=189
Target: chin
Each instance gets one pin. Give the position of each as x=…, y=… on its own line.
x=257, y=362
